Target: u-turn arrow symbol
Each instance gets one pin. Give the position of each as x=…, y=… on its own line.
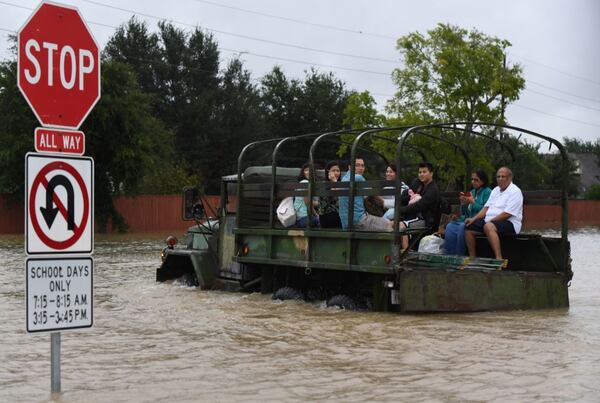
x=50, y=212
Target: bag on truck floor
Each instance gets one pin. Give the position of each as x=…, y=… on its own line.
x=286, y=213
x=431, y=244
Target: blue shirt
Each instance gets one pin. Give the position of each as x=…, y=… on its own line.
x=480, y=198
x=300, y=205
x=359, y=203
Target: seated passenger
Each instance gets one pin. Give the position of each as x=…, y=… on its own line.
x=328, y=205
x=390, y=200
x=360, y=219
x=301, y=203
x=421, y=203
x=502, y=214
x=470, y=204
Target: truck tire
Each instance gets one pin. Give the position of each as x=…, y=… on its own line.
x=344, y=302
x=286, y=293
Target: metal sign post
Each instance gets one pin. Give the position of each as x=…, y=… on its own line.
x=55, y=362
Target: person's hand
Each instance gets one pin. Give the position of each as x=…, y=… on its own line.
x=466, y=199
x=468, y=222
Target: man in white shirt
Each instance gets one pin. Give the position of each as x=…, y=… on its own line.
x=501, y=215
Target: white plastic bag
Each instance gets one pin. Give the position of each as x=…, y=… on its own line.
x=286, y=213
x=431, y=244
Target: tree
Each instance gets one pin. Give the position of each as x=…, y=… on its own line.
x=574, y=145
x=454, y=75
x=593, y=193
x=125, y=140
x=360, y=111
x=134, y=45
x=238, y=122
x=294, y=107
x=17, y=123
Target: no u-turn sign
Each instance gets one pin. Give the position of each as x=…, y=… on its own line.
x=59, y=204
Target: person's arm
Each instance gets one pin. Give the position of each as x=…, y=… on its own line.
x=477, y=216
x=428, y=199
x=388, y=203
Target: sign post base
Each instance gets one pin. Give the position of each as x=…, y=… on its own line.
x=55, y=362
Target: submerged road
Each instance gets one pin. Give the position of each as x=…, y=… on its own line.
x=166, y=342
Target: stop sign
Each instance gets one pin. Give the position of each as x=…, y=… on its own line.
x=58, y=66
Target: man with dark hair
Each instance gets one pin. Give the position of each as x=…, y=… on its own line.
x=421, y=203
x=502, y=214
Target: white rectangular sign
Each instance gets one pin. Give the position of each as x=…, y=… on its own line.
x=59, y=293
x=59, y=204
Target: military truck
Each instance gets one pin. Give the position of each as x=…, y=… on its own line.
x=241, y=246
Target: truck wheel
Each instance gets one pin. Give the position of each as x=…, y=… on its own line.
x=285, y=293
x=191, y=280
x=344, y=302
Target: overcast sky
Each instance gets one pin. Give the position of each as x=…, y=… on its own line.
x=556, y=41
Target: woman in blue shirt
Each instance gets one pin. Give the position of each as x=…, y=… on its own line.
x=301, y=203
x=470, y=204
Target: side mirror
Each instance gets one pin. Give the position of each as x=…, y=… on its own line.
x=191, y=201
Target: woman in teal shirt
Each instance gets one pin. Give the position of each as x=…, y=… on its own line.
x=470, y=204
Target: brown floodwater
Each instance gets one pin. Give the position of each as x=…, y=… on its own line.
x=156, y=342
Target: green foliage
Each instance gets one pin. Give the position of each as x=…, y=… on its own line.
x=593, y=193
x=133, y=44
x=360, y=111
x=574, y=145
x=454, y=75
x=294, y=107
x=17, y=124
x=124, y=138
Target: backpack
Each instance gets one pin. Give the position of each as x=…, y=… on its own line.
x=286, y=212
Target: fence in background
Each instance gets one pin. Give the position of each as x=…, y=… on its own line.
x=162, y=214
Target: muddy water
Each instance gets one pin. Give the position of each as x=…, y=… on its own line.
x=167, y=342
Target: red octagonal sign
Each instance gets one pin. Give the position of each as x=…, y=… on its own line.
x=59, y=66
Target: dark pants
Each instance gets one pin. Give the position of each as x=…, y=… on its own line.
x=330, y=220
x=302, y=222
x=504, y=227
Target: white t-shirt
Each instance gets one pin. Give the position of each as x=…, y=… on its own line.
x=508, y=201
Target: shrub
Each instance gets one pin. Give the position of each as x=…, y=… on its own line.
x=593, y=193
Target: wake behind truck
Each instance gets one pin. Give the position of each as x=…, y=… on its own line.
x=242, y=246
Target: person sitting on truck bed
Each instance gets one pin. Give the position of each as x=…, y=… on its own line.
x=301, y=203
x=361, y=219
x=421, y=203
x=390, y=200
x=470, y=204
x=328, y=208
x=501, y=215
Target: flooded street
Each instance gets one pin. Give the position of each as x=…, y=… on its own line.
x=166, y=342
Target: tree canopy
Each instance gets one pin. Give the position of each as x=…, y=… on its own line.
x=174, y=112
x=453, y=74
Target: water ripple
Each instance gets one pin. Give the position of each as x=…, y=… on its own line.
x=167, y=342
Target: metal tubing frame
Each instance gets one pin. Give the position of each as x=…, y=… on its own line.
x=372, y=132
x=311, y=158
x=274, y=171
x=558, y=144
x=240, y=176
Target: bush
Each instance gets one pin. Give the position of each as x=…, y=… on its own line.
x=593, y=193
